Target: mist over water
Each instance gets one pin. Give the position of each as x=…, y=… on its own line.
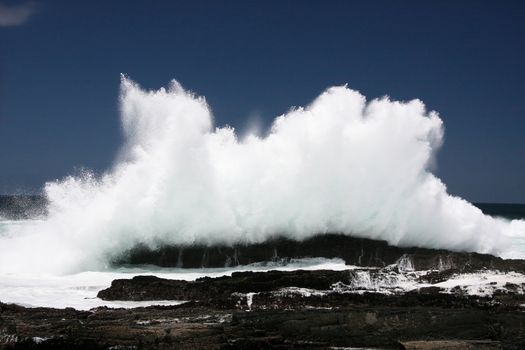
x=341, y=164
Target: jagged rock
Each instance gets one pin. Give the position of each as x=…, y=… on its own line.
x=354, y=251
x=293, y=289
x=154, y=288
x=202, y=326
x=317, y=309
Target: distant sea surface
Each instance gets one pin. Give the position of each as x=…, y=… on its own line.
x=509, y=211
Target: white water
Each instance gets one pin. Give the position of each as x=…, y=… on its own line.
x=340, y=164
x=79, y=290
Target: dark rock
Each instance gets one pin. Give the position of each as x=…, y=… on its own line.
x=354, y=251
x=283, y=289
x=196, y=325
x=154, y=288
x=452, y=345
x=263, y=310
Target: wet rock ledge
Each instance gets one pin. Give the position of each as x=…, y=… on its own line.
x=267, y=310
x=353, y=250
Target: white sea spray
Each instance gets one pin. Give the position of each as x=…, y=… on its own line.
x=341, y=164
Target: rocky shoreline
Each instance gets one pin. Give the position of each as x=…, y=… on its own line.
x=388, y=298
x=353, y=250
x=266, y=320
x=198, y=325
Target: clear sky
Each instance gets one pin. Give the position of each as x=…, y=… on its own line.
x=60, y=63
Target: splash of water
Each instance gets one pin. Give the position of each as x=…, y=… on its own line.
x=341, y=164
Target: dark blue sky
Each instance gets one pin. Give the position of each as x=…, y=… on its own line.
x=59, y=74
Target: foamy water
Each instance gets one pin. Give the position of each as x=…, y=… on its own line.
x=80, y=290
x=341, y=164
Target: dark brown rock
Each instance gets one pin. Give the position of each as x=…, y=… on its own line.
x=200, y=326
x=354, y=251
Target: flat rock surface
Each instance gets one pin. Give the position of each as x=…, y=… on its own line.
x=201, y=325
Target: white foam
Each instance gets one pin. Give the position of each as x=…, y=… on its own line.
x=338, y=165
x=484, y=283
x=249, y=299
x=80, y=290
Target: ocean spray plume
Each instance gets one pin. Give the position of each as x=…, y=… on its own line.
x=339, y=165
